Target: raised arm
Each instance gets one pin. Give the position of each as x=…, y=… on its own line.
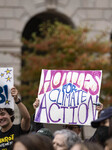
x=25, y=116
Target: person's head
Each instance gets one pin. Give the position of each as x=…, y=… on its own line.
x=104, y=118
x=45, y=132
x=6, y=117
x=103, y=125
x=64, y=139
x=87, y=146
x=35, y=126
x=108, y=144
x=75, y=128
x=32, y=142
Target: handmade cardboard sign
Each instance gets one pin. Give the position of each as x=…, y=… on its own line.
x=68, y=96
x=6, y=83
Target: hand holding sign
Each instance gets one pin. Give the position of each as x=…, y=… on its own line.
x=14, y=93
x=36, y=103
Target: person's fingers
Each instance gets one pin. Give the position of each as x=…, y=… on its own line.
x=34, y=106
x=36, y=103
x=100, y=107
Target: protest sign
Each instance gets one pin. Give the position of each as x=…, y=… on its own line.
x=67, y=96
x=6, y=83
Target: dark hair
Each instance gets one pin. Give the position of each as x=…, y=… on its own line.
x=93, y=146
x=71, y=127
x=10, y=112
x=45, y=132
x=34, y=142
x=35, y=126
x=110, y=127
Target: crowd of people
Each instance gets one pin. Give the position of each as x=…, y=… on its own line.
x=23, y=136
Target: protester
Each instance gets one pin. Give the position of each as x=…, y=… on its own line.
x=32, y=142
x=64, y=139
x=45, y=132
x=9, y=131
x=108, y=144
x=35, y=126
x=87, y=146
x=103, y=125
x=75, y=128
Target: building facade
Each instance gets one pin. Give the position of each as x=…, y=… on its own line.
x=17, y=17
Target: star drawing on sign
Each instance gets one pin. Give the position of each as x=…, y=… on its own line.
x=7, y=102
x=2, y=74
x=8, y=78
x=8, y=71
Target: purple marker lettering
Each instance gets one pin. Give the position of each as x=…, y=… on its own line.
x=72, y=99
x=38, y=116
x=64, y=113
x=57, y=94
x=50, y=113
x=86, y=117
x=66, y=97
x=83, y=96
x=73, y=115
x=78, y=93
x=93, y=111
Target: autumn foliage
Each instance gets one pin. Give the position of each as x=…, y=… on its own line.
x=61, y=47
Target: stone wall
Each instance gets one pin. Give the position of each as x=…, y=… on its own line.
x=14, y=15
